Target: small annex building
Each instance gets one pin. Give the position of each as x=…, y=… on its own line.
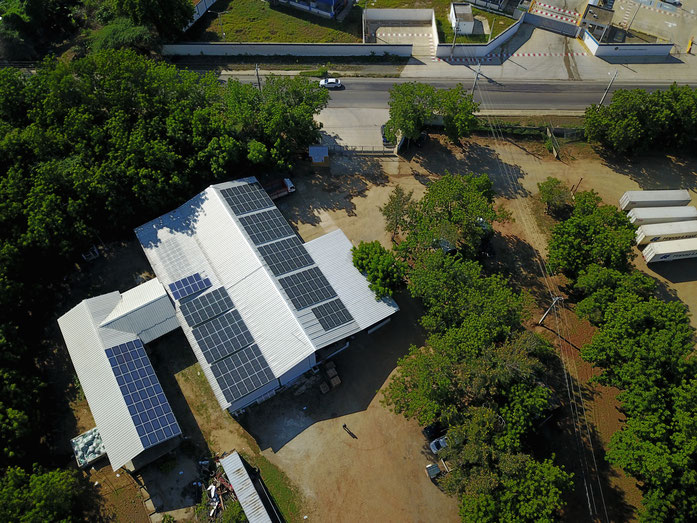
x=105, y=336
x=461, y=18
x=258, y=306
x=256, y=502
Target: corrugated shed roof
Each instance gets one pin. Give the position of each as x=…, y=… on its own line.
x=86, y=344
x=332, y=253
x=244, y=489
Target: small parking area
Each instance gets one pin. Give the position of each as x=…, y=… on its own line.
x=672, y=23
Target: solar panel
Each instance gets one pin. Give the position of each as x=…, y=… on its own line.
x=146, y=402
x=307, y=287
x=332, y=314
x=246, y=198
x=242, y=373
x=266, y=226
x=222, y=336
x=188, y=286
x=206, y=306
x=285, y=256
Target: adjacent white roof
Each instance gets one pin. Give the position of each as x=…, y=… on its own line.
x=244, y=489
x=204, y=236
x=332, y=253
x=87, y=341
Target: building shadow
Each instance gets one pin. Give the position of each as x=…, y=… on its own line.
x=363, y=369
x=678, y=271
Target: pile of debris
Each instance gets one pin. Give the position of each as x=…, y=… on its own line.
x=88, y=448
x=332, y=376
x=218, y=489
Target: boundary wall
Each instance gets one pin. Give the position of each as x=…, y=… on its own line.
x=479, y=50
x=624, y=50
x=264, y=49
x=406, y=17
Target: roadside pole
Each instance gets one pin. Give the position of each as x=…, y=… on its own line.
x=476, y=76
x=608, y=87
x=256, y=69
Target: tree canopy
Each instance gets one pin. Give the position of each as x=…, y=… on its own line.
x=555, y=195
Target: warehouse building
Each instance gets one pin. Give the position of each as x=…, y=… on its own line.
x=105, y=336
x=258, y=306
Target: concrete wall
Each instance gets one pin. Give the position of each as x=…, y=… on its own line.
x=398, y=15
x=624, y=50
x=478, y=50
x=262, y=49
x=556, y=26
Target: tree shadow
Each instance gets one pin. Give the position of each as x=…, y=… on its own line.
x=654, y=170
x=331, y=188
x=362, y=368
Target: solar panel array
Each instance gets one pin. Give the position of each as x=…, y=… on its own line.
x=332, y=314
x=266, y=226
x=242, y=373
x=222, y=336
x=307, y=287
x=146, y=402
x=285, y=256
x=243, y=199
x=188, y=286
x=206, y=307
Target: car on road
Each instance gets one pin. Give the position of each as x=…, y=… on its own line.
x=331, y=83
x=433, y=431
x=438, y=444
x=677, y=3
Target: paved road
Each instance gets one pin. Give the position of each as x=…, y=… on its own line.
x=547, y=95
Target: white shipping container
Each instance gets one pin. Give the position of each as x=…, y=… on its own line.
x=658, y=232
x=671, y=250
x=634, y=199
x=647, y=215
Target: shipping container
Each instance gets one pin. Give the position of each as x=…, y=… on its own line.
x=633, y=199
x=659, y=232
x=671, y=250
x=647, y=215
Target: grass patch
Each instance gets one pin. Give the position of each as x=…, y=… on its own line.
x=257, y=21
x=287, y=497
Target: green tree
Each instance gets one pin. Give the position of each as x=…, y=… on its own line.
x=123, y=34
x=458, y=108
x=411, y=106
x=168, y=17
x=594, y=234
x=39, y=496
x=396, y=211
x=384, y=272
x=555, y=195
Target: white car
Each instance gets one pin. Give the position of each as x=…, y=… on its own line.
x=438, y=444
x=331, y=83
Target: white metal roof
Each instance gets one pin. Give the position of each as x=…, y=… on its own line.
x=86, y=341
x=332, y=253
x=244, y=489
x=205, y=236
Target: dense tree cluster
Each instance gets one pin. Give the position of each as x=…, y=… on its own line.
x=384, y=272
x=555, y=195
x=90, y=149
x=638, y=120
x=479, y=374
x=413, y=105
x=593, y=234
x=644, y=346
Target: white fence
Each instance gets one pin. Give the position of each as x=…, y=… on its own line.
x=625, y=50
x=263, y=49
x=478, y=50
x=373, y=18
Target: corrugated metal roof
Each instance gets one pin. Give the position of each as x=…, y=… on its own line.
x=141, y=313
x=332, y=253
x=86, y=347
x=204, y=235
x=244, y=489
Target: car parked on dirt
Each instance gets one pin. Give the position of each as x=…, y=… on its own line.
x=438, y=444
x=331, y=83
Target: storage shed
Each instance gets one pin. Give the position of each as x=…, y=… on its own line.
x=461, y=18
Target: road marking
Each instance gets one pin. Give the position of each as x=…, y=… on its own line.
x=560, y=9
x=552, y=15
x=491, y=57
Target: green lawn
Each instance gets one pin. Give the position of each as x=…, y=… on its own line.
x=257, y=21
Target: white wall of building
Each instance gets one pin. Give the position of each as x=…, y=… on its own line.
x=263, y=49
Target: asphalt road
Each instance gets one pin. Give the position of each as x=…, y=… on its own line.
x=548, y=95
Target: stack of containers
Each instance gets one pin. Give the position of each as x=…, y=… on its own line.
x=667, y=225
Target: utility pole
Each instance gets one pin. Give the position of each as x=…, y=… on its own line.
x=633, y=17
x=220, y=23
x=256, y=69
x=554, y=302
x=608, y=87
x=476, y=76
